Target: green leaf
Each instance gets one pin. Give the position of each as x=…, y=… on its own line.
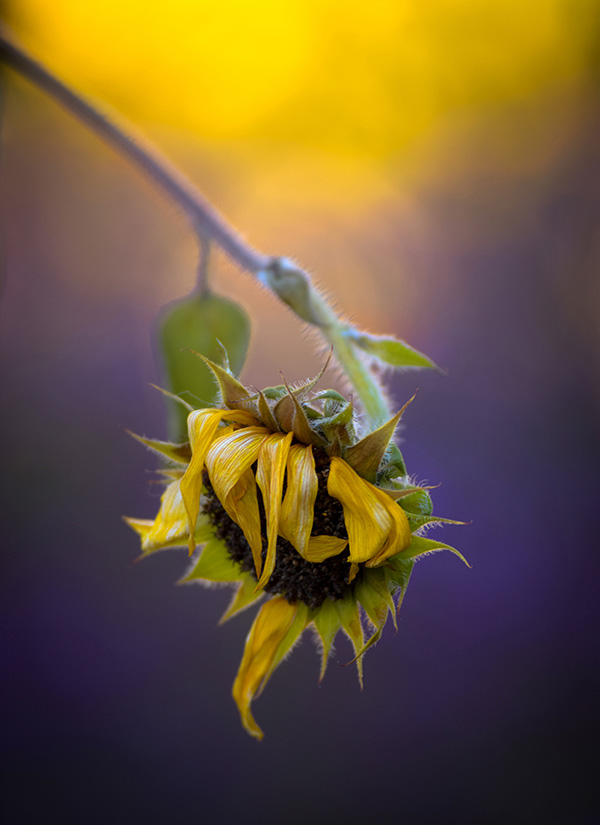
x=206, y=324
x=390, y=350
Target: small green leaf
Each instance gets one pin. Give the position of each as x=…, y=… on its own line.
x=206, y=324
x=390, y=350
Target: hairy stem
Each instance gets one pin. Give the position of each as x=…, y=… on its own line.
x=206, y=221
x=290, y=283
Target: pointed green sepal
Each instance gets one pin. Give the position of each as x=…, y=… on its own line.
x=327, y=623
x=244, y=597
x=347, y=609
x=366, y=456
x=231, y=390
x=418, y=502
x=178, y=453
x=416, y=521
x=420, y=546
x=266, y=414
x=398, y=572
x=177, y=399
x=373, y=592
x=214, y=564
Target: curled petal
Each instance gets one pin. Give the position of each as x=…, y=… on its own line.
x=202, y=427
x=228, y=458
x=272, y=461
x=241, y=505
x=324, y=547
x=170, y=527
x=266, y=636
x=203, y=430
x=377, y=527
x=297, y=511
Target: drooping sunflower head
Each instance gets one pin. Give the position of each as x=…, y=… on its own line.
x=287, y=501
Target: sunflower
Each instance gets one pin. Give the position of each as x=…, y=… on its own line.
x=287, y=504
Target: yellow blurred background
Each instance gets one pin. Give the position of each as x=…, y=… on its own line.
x=326, y=131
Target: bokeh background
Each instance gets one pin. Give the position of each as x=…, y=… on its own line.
x=436, y=166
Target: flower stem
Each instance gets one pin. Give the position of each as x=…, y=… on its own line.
x=368, y=389
x=290, y=283
x=206, y=221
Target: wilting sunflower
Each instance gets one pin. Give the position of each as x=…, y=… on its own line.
x=286, y=502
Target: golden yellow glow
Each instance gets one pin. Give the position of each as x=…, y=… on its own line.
x=358, y=78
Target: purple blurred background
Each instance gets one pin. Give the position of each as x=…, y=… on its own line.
x=116, y=684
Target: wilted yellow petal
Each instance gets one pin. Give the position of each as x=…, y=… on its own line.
x=202, y=427
x=298, y=625
x=297, y=510
x=195, y=418
x=377, y=527
x=272, y=461
x=241, y=505
x=324, y=547
x=169, y=528
x=228, y=458
x=203, y=430
x=266, y=635
x=399, y=536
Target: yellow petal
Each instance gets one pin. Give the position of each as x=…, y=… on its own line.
x=202, y=427
x=266, y=635
x=195, y=418
x=228, y=458
x=169, y=528
x=241, y=505
x=399, y=536
x=272, y=461
x=324, y=547
x=301, y=620
x=377, y=527
x=297, y=511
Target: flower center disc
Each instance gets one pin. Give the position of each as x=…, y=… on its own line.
x=293, y=577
